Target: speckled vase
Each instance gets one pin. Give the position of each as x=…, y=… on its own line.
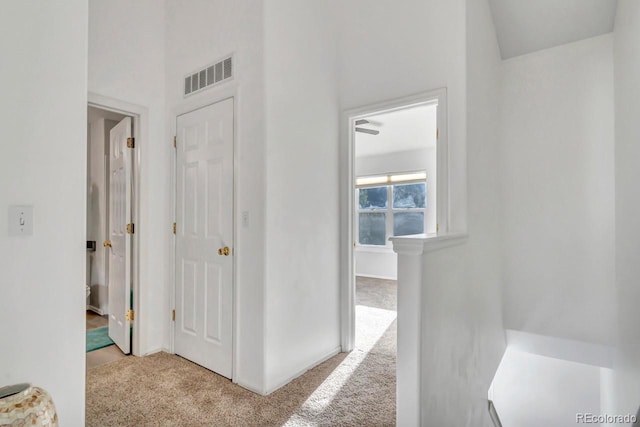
x=30, y=407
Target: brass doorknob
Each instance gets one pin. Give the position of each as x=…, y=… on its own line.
x=106, y=243
x=224, y=251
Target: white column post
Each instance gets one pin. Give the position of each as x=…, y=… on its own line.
x=409, y=372
x=411, y=250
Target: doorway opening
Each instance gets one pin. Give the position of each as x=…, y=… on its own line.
x=397, y=186
x=111, y=254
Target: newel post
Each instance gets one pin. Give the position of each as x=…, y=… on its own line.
x=411, y=250
x=409, y=372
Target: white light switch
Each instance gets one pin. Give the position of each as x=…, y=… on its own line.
x=20, y=220
x=245, y=219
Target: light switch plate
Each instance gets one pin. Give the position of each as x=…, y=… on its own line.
x=20, y=220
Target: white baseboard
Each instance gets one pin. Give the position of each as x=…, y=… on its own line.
x=373, y=276
x=310, y=366
x=251, y=388
x=155, y=350
x=95, y=310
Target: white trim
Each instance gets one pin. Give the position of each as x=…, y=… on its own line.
x=140, y=115
x=95, y=310
x=187, y=105
x=373, y=276
x=374, y=249
x=418, y=244
x=310, y=366
x=251, y=388
x=347, y=192
x=347, y=233
x=154, y=351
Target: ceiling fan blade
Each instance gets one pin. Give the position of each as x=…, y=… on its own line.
x=369, y=131
x=368, y=122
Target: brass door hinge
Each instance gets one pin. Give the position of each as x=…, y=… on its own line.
x=130, y=229
x=174, y=228
x=437, y=133
x=173, y=315
x=175, y=141
x=130, y=316
x=131, y=142
x=437, y=228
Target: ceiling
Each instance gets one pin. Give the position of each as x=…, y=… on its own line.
x=525, y=26
x=402, y=130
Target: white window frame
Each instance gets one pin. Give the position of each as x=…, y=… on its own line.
x=389, y=211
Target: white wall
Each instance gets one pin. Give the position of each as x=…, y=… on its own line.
x=463, y=337
x=196, y=36
x=126, y=62
x=531, y=390
x=388, y=50
x=42, y=163
x=627, y=153
x=379, y=263
x=302, y=219
x=383, y=262
x=558, y=191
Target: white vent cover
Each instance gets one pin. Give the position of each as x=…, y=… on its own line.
x=210, y=75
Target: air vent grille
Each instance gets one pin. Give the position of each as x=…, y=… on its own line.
x=210, y=75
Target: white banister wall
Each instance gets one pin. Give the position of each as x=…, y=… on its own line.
x=411, y=250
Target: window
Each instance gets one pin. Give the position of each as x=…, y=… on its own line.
x=395, y=209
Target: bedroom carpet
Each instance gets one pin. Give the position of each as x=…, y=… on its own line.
x=354, y=389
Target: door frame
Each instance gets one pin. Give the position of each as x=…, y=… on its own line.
x=187, y=105
x=347, y=194
x=140, y=116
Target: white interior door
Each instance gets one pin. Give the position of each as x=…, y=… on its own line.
x=204, y=237
x=119, y=243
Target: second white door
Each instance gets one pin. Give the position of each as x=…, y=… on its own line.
x=204, y=236
x=119, y=243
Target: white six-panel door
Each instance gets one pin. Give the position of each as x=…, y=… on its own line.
x=204, y=236
x=119, y=243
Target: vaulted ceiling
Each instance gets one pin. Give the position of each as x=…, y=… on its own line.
x=525, y=26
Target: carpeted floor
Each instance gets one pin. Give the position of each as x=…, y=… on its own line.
x=355, y=389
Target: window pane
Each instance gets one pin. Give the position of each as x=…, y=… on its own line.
x=405, y=223
x=373, y=198
x=372, y=229
x=409, y=196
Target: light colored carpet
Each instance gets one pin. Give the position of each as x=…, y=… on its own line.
x=355, y=389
